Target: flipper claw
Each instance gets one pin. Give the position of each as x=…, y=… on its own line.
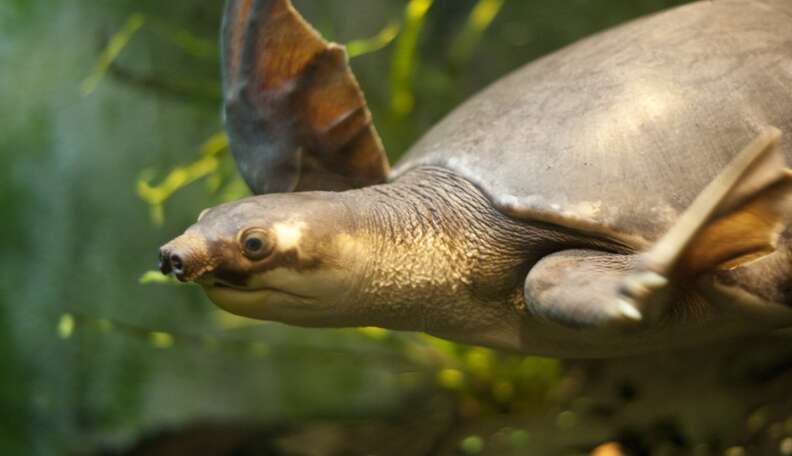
x=640, y=285
x=629, y=311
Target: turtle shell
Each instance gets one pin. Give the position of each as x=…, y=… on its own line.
x=618, y=133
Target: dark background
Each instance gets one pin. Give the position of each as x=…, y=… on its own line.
x=109, y=145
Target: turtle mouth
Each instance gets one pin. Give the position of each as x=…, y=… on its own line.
x=227, y=287
x=218, y=284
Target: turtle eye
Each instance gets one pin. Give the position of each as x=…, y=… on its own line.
x=256, y=244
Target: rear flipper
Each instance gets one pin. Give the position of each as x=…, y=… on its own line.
x=735, y=220
x=762, y=284
x=582, y=288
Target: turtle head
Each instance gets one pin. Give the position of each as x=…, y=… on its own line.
x=282, y=257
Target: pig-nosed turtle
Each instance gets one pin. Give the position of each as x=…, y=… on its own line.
x=624, y=194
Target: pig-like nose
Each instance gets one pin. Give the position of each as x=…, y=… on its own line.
x=185, y=257
x=171, y=261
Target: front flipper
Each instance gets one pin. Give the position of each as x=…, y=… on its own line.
x=735, y=220
x=295, y=115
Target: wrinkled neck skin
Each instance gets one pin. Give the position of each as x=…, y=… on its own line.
x=437, y=257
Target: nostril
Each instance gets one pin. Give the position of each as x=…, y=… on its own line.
x=164, y=263
x=176, y=263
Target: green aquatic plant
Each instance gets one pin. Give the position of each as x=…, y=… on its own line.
x=405, y=57
x=114, y=47
x=478, y=21
x=207, y=163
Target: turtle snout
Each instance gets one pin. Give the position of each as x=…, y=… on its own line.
x=183, y=259
x=164, y=262
x=170, y=261
x=173, y=261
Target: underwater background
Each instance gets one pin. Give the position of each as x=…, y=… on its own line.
x=111, y=143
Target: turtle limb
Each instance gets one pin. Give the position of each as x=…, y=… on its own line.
x=583, y=288
x=295, y=115
x=735, y=220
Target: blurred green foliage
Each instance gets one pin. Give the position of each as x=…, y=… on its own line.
x=112, y=144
